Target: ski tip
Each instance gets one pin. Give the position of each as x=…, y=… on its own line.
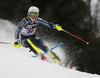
x=33, y=56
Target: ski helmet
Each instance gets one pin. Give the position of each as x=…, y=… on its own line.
x=33, y=12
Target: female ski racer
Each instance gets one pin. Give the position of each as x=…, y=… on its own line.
x=26, y=30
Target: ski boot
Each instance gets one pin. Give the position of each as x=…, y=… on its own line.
x=43, y=57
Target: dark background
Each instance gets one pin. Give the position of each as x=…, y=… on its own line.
x=74, y=16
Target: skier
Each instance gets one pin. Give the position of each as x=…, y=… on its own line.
x=26, y=31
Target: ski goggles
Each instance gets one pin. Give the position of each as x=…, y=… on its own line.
x=33, y=14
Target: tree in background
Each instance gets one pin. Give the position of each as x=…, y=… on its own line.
x=89, y=60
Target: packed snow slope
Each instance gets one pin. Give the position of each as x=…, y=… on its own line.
x=19, y=63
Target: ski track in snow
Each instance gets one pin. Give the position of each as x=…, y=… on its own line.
x=18, y=63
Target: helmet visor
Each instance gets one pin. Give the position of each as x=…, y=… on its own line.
x=33, y=14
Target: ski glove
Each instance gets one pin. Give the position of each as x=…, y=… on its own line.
x=17, y=43
x=58, y=27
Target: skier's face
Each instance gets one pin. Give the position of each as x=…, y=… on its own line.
x=33, y=15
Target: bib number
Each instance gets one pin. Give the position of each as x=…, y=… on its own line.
x=30, y=31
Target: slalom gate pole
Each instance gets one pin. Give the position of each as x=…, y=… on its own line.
x=52, y=48
x=75, y=36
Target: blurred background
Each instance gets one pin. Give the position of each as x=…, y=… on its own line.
x=80, y=17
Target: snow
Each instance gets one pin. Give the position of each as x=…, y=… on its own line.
x=19, y=63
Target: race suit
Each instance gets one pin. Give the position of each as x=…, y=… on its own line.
x=27, y=27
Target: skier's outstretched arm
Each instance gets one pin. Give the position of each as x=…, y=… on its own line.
x=47, y=24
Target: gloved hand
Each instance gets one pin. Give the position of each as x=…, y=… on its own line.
x=58, y=27
x=17, y=42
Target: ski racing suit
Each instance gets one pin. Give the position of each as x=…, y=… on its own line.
x=27, y=29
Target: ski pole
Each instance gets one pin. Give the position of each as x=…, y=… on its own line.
x=16, y=45
x=5, y=43
x=59, y=28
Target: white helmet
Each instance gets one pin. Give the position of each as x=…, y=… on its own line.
x=33, y=9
